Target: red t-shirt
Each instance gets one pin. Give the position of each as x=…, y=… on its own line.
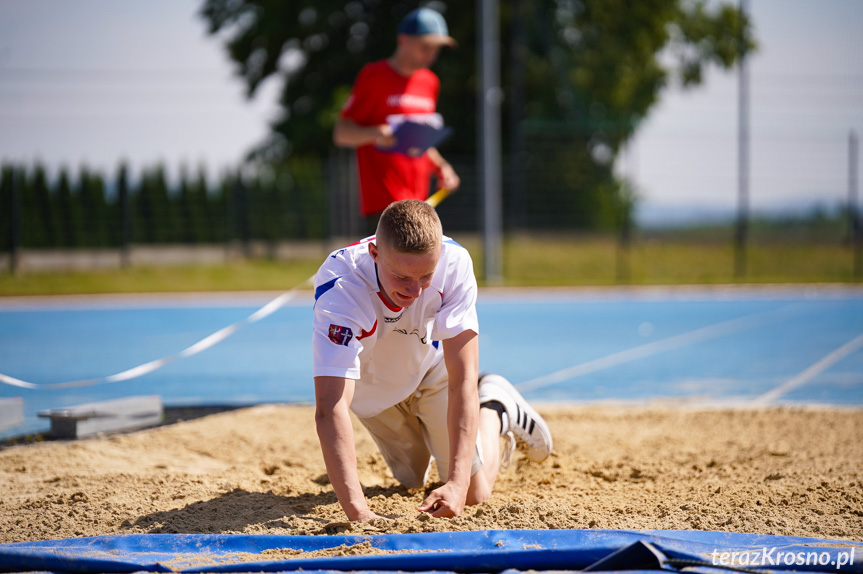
x=380, y=92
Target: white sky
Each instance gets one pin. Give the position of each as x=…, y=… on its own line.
x=806, y=96
x=98, y=81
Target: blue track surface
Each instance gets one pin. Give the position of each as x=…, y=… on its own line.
x=738, y=346
x=749, y=346
x=481, y=551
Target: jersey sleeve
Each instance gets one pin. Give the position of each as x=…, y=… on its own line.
x=458, y=309
x=359, y=104
x=341, y=320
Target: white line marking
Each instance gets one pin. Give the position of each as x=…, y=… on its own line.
x=640, y=352
x=151, y=366
x=813, y=371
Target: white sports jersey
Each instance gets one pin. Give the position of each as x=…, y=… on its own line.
x=387, y=350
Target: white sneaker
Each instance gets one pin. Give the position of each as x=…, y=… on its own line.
x=520, y=417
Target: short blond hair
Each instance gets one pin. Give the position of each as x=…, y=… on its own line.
x=410, y=226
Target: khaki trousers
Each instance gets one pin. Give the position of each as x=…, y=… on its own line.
x=414, y=431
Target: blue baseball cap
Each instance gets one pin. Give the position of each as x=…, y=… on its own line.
x=426, y=22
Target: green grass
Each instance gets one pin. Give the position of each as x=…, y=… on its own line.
x=599, y=261
x=527, y=261
x=250, y=275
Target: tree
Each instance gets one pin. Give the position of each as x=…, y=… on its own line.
x=193, y=195
x=591, y=69
x=121, y=225
x=211, y=216
x=70, y=217
x=94, y=208
x=154, y=221
x=38, y=227
x=8, y=174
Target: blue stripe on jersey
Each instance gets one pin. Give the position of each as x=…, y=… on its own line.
x=323, y=288
x=453, y=242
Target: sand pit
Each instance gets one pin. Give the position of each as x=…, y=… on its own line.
x=784, y=470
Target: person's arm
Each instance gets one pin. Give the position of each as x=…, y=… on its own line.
x=333, y=397
x=348, y=133
x=461, y=354
x=447, y=177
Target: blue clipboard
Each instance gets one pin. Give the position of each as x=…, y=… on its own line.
x=413, y=139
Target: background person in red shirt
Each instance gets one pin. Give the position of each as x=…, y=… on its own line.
x=385, y=92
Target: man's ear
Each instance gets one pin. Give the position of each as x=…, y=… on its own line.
x=373, y=251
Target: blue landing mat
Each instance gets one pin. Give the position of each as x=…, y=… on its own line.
x=479, y=551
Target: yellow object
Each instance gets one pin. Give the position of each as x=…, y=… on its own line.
x=438, y=196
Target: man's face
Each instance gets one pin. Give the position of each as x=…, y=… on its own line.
x=420, y=51
x=403, y=276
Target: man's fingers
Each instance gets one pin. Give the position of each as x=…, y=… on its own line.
x=430, y=504
x=438, y=507
x=443, y=511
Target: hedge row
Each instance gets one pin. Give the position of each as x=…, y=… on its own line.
x=88, y=209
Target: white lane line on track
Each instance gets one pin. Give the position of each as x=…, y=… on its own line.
x=151, y=366
x=671, y=343
x=813, y=371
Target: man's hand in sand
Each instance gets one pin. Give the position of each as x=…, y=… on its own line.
x=366, y=516
x=444, y=502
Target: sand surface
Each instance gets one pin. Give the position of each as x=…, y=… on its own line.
x=784, y=470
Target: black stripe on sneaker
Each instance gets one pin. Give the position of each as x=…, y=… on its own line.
x=532, y=424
